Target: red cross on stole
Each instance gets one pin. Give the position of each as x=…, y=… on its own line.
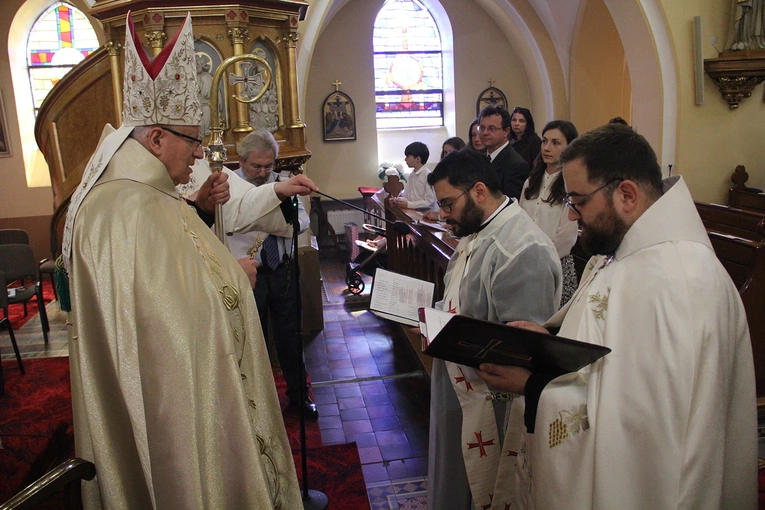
x=457, y=380
x=480, y=444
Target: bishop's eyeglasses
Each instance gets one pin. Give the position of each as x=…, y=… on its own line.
x=194, y=142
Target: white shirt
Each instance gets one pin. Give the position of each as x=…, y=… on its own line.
x=496, y=152
x=417, y=192
x=551, y=218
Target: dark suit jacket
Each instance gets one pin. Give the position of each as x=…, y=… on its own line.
x=512, y=170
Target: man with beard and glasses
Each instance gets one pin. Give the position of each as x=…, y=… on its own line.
x=668, y=418
x=504, y=269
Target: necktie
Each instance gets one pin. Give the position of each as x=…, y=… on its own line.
x=270, y=253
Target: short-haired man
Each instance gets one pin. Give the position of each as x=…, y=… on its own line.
x=417, y=192
x=273, y=250
x=172, y=393
x=503, y=269
x=668, y=418
x=494, y=128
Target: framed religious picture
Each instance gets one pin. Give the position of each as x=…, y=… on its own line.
x=339, y=117
x=5, y=142
x=491, y=96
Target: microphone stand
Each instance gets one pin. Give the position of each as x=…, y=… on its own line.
x=312, y=499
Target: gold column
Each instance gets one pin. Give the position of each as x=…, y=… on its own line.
x=290, y=42
x=156, y=40
x=114, y=49
x=239, y=35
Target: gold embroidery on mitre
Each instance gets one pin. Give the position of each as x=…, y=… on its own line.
x=600, y=304
x=568, y=423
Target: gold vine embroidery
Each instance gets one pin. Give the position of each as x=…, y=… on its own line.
x=601, y=304
x=568, y=423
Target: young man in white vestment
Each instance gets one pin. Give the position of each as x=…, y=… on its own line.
x=503, y=269
x=172, y=391
x=668, y=418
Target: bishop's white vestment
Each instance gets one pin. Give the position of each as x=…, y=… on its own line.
x=668, y=418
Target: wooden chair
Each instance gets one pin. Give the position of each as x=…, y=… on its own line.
x=67, y=476
x=17, y=262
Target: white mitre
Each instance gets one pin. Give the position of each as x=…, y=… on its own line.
x=162, y=91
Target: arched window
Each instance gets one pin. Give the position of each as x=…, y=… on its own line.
x=408, y=66
x=60, y=38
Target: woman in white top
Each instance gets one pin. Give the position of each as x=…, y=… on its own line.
x=542, y=198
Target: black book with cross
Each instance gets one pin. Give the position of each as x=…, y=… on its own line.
x=470, y=342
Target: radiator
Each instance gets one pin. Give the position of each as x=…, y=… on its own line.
x=340, y=217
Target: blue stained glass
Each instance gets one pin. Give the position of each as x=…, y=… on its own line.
x=408, y=66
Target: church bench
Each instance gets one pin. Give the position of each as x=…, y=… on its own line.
x=730, y=220
x=744, y=259
x=742, y=197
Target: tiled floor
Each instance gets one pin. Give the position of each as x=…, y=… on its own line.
x=370, y=388
x=367, y=383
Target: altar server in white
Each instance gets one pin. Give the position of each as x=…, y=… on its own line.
x=668, y=418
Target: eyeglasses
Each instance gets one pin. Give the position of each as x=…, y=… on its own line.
x=490, y=129
x=195, y=142
x=447, y=204
x=261, y=168
x=585, y=198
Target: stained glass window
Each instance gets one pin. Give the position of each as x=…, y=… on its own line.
x=408, y=66
x=60, y=38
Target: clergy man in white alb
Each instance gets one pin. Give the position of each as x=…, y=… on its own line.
x=668, y=418
x=172, y=390
x=504, y=269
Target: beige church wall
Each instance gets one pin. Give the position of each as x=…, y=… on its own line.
x=600, y=83
x=22, y=206
x=711, y=138
x=344, y=52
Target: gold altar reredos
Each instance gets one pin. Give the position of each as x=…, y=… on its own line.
x=89, y=96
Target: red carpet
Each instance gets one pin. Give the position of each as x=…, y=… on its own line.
x=37, y=434
x=16, y=312
x=335, y=470
x=35, y=422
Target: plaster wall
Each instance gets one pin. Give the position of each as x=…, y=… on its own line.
x=344, y=52
x=711, y=138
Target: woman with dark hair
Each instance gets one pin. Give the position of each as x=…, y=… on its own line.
x=454, y=143
x=474, y=139
x=542, y=199
x=523, y=136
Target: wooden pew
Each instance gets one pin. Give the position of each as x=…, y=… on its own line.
x=744, y=259
x=730, y=220
x=742, y=197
